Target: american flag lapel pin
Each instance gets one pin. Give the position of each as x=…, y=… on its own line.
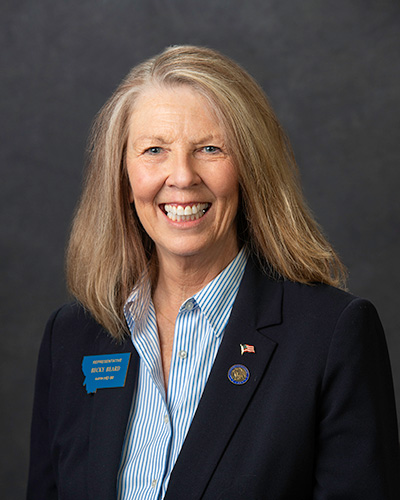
x=247, y=348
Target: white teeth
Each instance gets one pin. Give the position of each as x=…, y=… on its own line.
x=178, y=213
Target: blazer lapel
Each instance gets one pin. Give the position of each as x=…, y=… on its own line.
x=110, y=413
x=258, y=305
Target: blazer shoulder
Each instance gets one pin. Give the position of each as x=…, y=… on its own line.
x=260, y=275
x=72, y=313
x=272, y=299
x=71, y=328
x=320, y=297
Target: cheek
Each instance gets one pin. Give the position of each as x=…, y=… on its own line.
x=143, y=187
x=228, y=186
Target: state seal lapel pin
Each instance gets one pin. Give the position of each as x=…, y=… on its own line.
x=238, y=374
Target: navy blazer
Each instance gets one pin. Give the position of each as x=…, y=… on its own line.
x=316, y=419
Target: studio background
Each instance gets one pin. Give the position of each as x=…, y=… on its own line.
x=332, y=72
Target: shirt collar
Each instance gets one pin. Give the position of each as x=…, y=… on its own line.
x=215, y=300
x=137, y=306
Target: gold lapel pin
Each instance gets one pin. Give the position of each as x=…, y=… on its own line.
x=238, y=374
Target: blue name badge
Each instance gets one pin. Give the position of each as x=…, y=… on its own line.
x=105, y=371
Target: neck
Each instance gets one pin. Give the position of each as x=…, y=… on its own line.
x=180, y=278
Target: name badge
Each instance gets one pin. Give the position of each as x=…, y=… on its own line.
x=105, y=371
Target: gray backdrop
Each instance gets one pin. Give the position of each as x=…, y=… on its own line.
x=331, y=70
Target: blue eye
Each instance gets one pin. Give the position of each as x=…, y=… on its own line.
x=155, y=150
x=211, y=149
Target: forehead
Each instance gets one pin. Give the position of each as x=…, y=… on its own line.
x=178, y=106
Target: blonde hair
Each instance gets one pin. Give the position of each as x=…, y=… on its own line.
x=109, y=251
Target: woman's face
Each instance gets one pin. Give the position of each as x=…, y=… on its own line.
x=183, y=181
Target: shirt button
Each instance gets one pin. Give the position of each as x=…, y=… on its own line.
x=166, y=419
x=154, y=483
x=183, y=354
x=189, y=305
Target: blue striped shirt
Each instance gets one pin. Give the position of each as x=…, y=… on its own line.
x=158, y=422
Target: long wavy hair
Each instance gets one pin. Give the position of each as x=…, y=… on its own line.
x=109, y=251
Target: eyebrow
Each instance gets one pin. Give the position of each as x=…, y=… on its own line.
x=151, y=138
x=162, y=140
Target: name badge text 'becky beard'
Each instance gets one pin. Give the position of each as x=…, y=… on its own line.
x=105, y=371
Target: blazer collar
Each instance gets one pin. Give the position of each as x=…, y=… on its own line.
x=258, y=306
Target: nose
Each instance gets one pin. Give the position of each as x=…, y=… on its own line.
x=183, y=173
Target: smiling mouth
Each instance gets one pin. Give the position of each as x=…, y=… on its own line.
x=184, y=213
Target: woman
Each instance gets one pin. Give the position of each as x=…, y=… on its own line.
x=210, y=353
